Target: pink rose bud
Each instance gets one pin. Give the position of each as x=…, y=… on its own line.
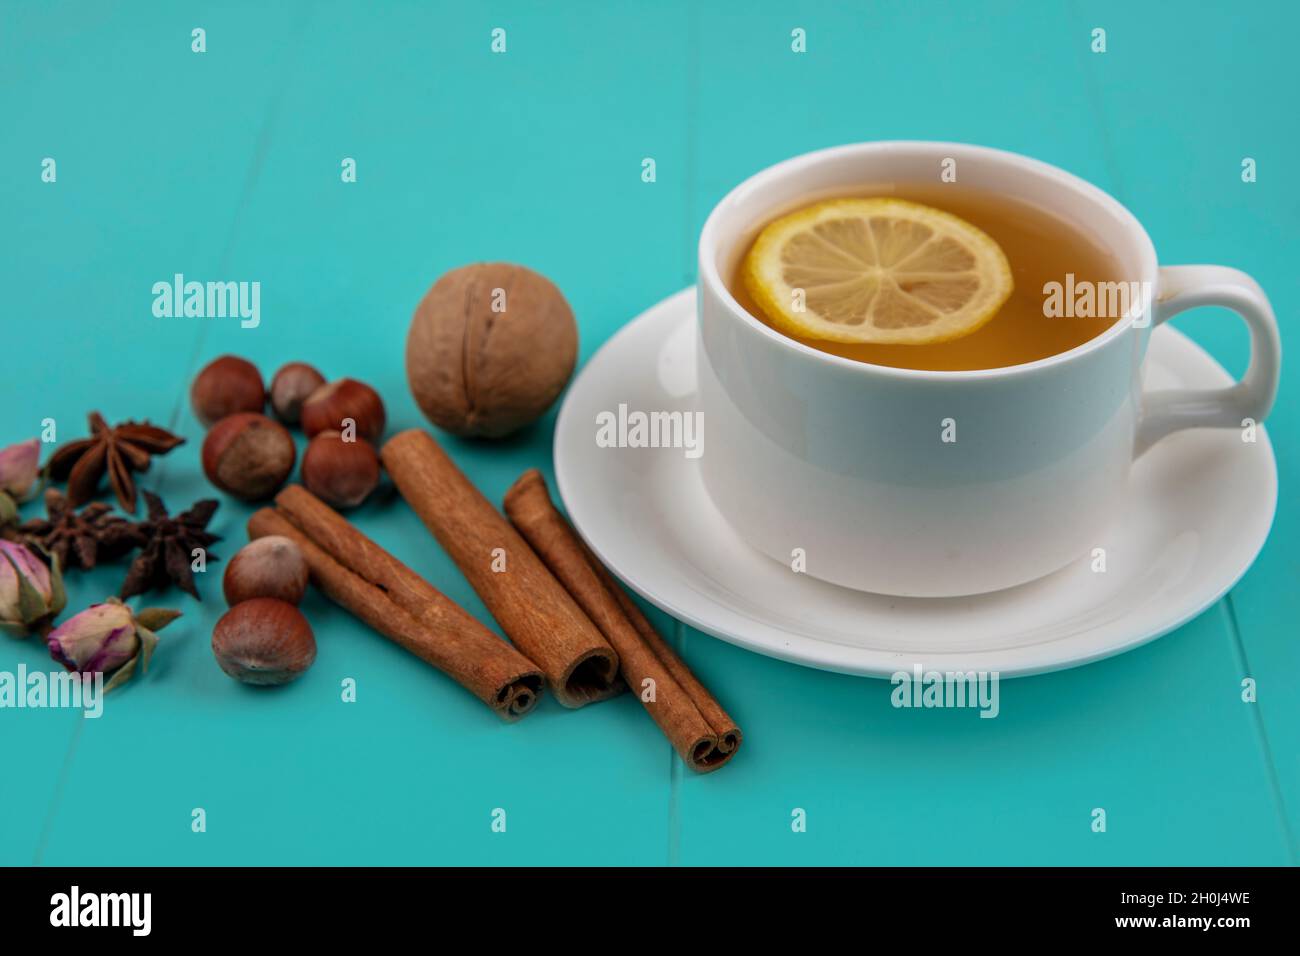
x=109, y=637
x=9, y=609
x=29, y=593
x=19, y=466
x=101, y=638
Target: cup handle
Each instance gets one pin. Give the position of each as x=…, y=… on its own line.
x=1170, y=410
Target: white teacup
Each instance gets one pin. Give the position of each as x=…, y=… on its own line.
x=848, y=462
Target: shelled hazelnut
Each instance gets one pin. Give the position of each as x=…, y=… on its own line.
x=272, y=567
x=225, y=386
x=341, y=473
x=248, y=455
x=264, y=641
x=290, y=388
x=331, y=406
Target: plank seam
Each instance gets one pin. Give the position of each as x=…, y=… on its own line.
x=261, y=150
x=689, y=177
x=675, y=772
x=1261, y=731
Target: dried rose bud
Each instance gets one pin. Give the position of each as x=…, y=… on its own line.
x=109, y=638
x=19, y=465
x=31, y=593
x=100, y=638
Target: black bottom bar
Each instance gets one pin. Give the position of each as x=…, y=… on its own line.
x=330, y=905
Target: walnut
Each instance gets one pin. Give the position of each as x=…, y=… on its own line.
x=490, y=348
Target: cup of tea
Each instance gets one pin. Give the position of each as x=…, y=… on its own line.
x=921, y=364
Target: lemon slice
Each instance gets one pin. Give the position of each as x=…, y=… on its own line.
x=883, y=271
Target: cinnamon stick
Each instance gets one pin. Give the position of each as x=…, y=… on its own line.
x=532, y=607
x=433, y=628
x=690, y=717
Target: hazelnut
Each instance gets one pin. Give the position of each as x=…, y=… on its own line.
x=225, y=386
x=272, y=567
x=290, y=388
x=490, y=348
x=248, y=455
x=330, y=406
x=263, y=641
x=340, y=473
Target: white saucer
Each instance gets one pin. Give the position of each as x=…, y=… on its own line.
x=1200, y=507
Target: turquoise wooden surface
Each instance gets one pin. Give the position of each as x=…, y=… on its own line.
x=225, y=165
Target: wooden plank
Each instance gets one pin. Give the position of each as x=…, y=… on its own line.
x=1189, y=98
x=153, y=146
x=1157, y=737
x=534, y=156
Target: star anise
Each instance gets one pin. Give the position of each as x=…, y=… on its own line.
x=118, y=451
x=168, y=549
x=79, y=540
